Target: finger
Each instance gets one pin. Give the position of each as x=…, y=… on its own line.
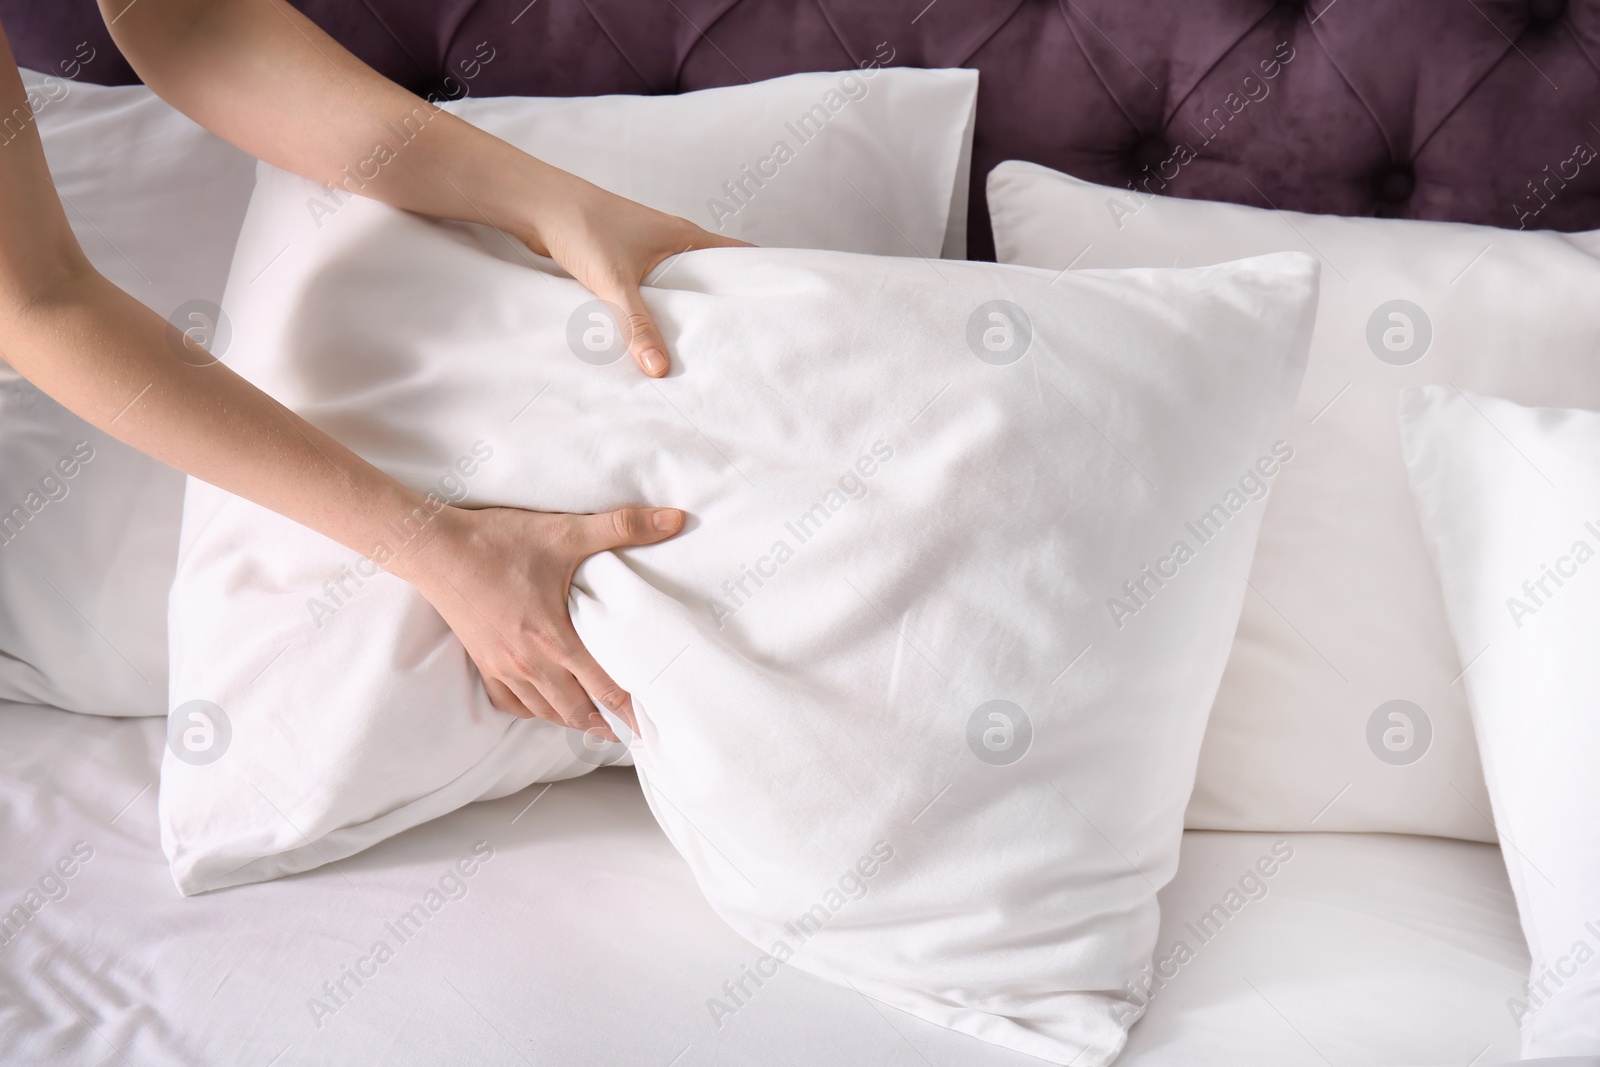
x=644, y=340
x=692, y=236
x=531, y=698
x=707, y=239
x=562, y=691
x=625, y=527
x=503, y=698
x=600, y=687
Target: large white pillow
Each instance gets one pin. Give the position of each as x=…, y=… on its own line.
x=869, y=160
x=883, y=688
x=89, y=530
x=86, y=559
x=1342, y=706
x=1509, y=498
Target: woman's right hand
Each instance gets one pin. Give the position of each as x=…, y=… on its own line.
x=500, y=577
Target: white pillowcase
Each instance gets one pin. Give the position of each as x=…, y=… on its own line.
x=86, y=557
x=84, y=579
x=1344, y=618
x=916, y=488
x=870, y=160
x=1509, y=499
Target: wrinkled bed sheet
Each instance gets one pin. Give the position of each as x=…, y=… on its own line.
x=558, y=926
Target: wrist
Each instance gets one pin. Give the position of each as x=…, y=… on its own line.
x=417, y=538
x=524, y=195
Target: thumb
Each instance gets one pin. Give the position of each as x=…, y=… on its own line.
x=625, y=527
x=645, y=345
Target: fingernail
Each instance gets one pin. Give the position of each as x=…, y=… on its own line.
x=655, y=361
x=667, y=520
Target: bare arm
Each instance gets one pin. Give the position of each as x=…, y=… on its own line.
x=263, y=76
x=498, y=576
x=109, y=359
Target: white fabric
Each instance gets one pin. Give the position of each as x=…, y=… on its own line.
x=1509, y=498
x=870, y=160
x=932, y=528
x=1370, y=949
x=585, y=941
x=157, y=202
x=1343, y=614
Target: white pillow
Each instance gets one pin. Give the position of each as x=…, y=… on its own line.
x=1509, y=499
x=1342, y=706
x=86, y=557
x=870, y=160
x=913, y=504
x=83, y=584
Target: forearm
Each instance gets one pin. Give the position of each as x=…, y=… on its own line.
x=266, y=78
x=121, y=368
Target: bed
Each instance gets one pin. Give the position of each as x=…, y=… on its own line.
x=584, y=940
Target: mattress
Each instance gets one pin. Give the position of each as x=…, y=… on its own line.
x=557, y=926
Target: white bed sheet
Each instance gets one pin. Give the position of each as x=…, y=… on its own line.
x=584, y=941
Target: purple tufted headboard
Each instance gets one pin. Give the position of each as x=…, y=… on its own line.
x=1482, y=111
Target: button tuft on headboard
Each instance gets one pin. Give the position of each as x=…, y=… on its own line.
x=1300, y=103
x=1150, y=151
x=1395, y=186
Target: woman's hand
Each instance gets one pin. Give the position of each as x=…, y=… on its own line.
x=500, y=578
x=266, y=78
x=609, y=244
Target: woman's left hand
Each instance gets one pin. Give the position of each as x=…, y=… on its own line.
x=268, y=79
x=610, y=244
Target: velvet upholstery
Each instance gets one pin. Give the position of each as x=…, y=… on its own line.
x=1473, y=110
